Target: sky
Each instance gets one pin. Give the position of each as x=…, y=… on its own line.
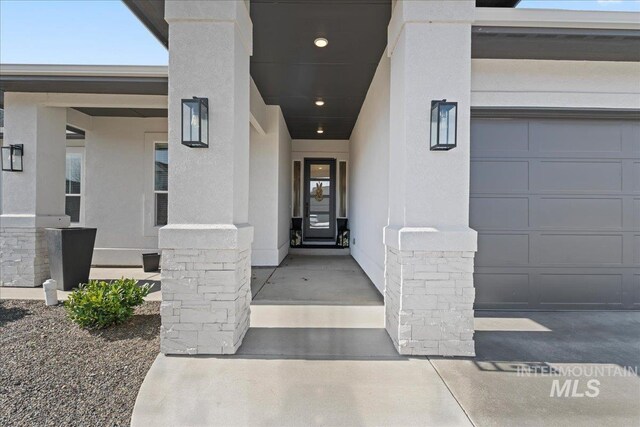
x=106, y=32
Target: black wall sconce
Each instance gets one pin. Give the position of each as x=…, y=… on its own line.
x=195, y=122
x=444, y=125
x=12, y=157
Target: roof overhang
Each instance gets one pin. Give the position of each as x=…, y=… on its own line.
x=568, y=44
x=151, y=13
x=104, y=79
x=89, y=79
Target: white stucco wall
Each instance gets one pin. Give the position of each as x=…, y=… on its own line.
x=284, y=186
x=554, y=84
x=368, y=177
x=269, y=189
x=118, y=192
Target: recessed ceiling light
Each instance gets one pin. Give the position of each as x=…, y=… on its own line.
x=321, y=42
x=320, y=130
x=319, y=102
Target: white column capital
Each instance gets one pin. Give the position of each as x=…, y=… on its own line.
x=427, y=12
x=219, y=11
x=205, y=236
x=444, y=238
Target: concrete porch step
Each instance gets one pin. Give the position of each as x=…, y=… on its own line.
x=317, y=316
x=319, y=251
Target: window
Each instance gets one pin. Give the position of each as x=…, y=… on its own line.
x=161, y=178
x=342, y=180
x=296, y=188
x=73, y=185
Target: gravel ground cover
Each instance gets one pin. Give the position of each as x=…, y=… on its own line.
x=53, y=373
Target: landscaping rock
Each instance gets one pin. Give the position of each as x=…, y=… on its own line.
x=52, y=373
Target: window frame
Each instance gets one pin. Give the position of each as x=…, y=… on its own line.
x=156, y=192
x=83, y=183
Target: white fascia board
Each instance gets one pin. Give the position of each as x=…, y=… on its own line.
x=505, y=17
x=85, y=70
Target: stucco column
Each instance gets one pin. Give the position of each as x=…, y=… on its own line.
x=429, y=246
x=34, y=198
x=206, y=260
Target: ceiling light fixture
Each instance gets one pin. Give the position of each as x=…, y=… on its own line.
x=320, y=130
x=319, y=102
x=321, y=42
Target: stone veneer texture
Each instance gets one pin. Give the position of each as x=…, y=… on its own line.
x=24, y=261
x=429, y=302
x=206, y=295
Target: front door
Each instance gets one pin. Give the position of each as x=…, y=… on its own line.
x=319, y=199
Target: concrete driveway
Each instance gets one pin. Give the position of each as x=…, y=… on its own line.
x=521, y=355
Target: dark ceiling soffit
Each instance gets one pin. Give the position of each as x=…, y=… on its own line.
x=151, y=14
x=85, y=84
x=76, y=133
x=497, y=3
x=554, y=113
x=123, y=112
x=571, y=44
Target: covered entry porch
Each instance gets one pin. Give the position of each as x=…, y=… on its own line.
x=229, y=205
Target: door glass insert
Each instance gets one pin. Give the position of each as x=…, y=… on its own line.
x=319, y=197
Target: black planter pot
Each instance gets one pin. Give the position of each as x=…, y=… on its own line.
x=151, y=262
x=70, y=253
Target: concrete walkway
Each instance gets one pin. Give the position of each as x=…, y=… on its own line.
x=180, y=391
x=308, y=359
x=318, y=280
x=95, y=273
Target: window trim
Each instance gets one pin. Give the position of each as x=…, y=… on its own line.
x=83, y=183
x=156, y=192
x=149, y=229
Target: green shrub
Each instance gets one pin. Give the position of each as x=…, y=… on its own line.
x=100, y=304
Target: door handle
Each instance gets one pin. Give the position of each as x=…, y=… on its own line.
x=306, y=209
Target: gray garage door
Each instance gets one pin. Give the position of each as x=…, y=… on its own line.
x=556, y=203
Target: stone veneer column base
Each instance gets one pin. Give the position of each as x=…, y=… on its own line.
x=429, y=302
x=24, y=261
x=429, y=299
x=206, y=293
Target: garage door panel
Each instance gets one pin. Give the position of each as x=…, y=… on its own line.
x=576, y=249
x=635, y=181
x=558, y=216
x=633, y=215
x=511, y=138
x=577, y=213
x=578, y=176
x=502, y=250
x=500, y=212
x=502, y=288
x=631, y=138
x=575, y=136
x=578, y=289
x=499, y=176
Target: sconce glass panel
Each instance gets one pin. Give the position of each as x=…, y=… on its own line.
x=195, y=122
x=12, y=157
x=444, y=124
